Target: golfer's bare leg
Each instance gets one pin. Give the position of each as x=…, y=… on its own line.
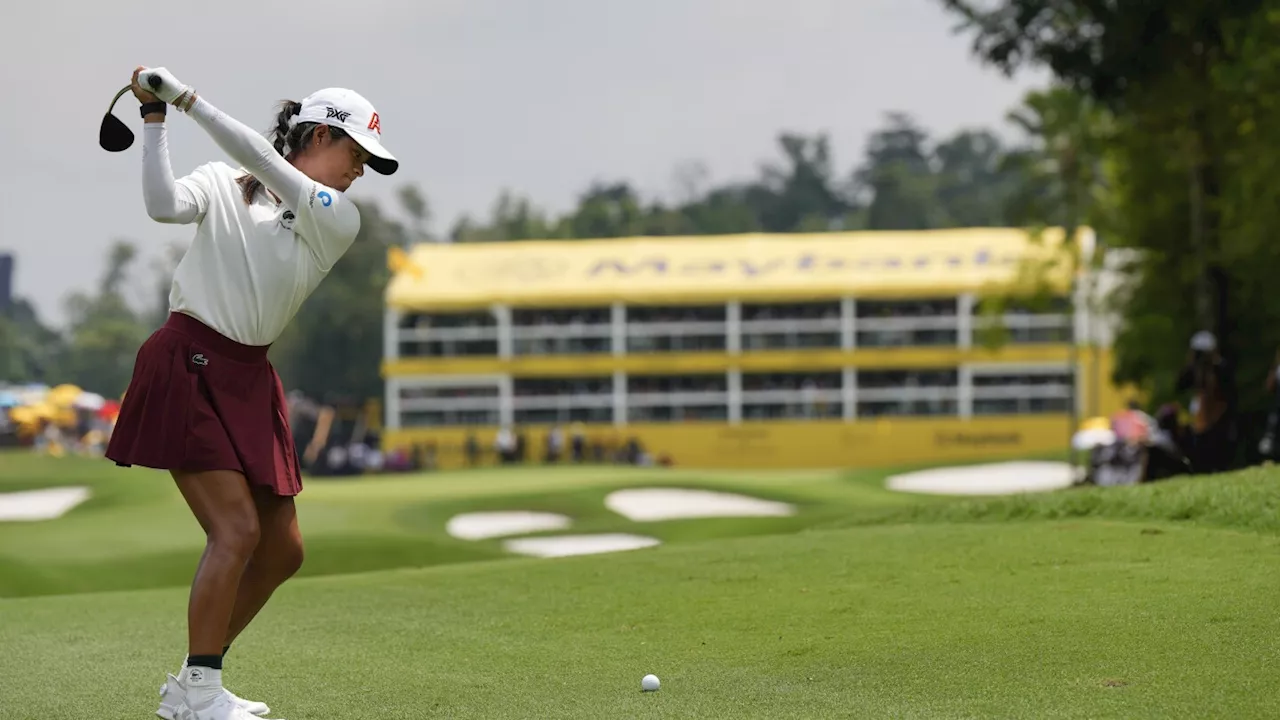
x=224, y=507
x=277, y=558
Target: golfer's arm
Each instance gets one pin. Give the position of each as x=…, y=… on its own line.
x=252, y=151
x=165, y=199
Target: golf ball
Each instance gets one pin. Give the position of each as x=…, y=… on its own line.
x=650, y=683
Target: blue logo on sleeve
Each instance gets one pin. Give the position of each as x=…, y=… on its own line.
x=325, y=198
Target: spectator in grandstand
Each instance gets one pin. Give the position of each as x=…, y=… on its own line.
x=522, y=446
x=431, y=458
x=555, y=444
x=472, y=449
x=505, y=445
x=578, y=443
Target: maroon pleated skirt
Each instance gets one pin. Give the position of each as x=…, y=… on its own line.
x=199, y=401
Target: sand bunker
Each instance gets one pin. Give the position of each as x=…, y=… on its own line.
x=566, y=545
x=647, y=504
x=40, y=504
x=483, y=525
x=639, y=505
x=995, y=479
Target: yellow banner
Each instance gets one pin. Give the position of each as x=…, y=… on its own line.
x=783, y=445
x=718, y=268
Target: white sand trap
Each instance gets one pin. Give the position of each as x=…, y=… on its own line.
x=40, y=504
x=482, y=525
x=566, y=545
x=645, y=504
x=996, y=479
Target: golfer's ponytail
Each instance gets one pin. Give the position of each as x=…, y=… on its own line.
x=288, y=139
x=280, y=139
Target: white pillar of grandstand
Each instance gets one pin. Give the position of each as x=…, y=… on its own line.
x=506, y=401
x=619, y=397
x=502, y=314
x=619, y=318
x=964, y=391
x=391, y=408
x=1082, y=394
x=849, y=391
x=733, y=327
x=735, y=396
x=391, y=334
x=964, y=320
x=848, y=323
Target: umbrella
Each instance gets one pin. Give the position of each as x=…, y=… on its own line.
x=63, y=395
x=32, y=395
x=89, y=401
x=8, y=400
x=109, y=410
x=1092, y=438
x=24, y=416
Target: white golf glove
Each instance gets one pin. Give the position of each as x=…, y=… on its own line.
x=162, y=84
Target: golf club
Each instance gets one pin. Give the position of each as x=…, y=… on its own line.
x=113, y=134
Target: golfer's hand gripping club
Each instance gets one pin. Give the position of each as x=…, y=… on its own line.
x=164, y=85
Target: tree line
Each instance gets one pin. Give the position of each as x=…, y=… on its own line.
x=1166, y=143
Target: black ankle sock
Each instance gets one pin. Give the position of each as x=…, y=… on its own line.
x=213, y=662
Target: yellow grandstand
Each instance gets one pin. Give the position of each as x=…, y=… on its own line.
x=821, y=350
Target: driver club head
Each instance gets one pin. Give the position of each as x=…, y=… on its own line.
x=113, y=134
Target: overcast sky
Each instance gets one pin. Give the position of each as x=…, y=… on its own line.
x=538, y=96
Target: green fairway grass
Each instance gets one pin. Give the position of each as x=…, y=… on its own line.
x=1148, y=602
x=1079, y=619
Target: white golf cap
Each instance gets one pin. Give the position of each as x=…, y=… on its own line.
x=347, y=109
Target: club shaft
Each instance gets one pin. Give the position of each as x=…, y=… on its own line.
x=119, y=95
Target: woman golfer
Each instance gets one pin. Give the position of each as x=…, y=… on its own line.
x=204, y=403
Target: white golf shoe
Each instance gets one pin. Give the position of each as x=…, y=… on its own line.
x=220, y=708
x=173, y=698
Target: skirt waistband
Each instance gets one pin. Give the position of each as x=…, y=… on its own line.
x=214, y=340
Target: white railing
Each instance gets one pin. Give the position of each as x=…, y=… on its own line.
x=575, y=330
x=897, y=324
x=824, y=325
x=447, y=404
x=678, y=399
x=717, y=327
x=1024, y=322
x=562, y=402
x=479, y=332
x=789, y=397
x=1019, y=392
x=907, y=394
